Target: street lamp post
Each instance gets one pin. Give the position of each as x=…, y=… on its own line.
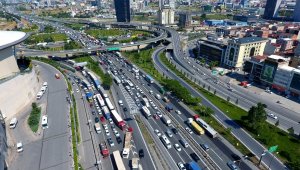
x=262, y=154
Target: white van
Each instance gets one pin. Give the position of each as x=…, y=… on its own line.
x=44, y=122
x=13, y=123
x=157, y=96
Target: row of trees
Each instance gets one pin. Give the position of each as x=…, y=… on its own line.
x=71, y=45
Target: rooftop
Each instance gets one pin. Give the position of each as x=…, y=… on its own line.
x=10, y=38
x=277, y=57
x=247, y=40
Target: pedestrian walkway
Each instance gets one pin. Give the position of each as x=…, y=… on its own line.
x=132, y=106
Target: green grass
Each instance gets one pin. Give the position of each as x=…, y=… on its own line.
x=74, y=144
x=144, y=131
x=51, y=37
x=34, y=117
x=289, y=146
x=93, y=65
x=76, y=119
x=144, y=61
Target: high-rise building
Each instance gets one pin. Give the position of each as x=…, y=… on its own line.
x=296, y=14
x=166, y=16
x=245, y=3
x=122, y=8
x=184, y=20
x=271, y=9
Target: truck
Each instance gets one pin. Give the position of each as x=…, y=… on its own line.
x=106, y=112
x=127, y=145
x=195, y=126
x=104, y=149
x=193, y=166
x=146, y=111
x=149, y=79
x=135, y=163
x=166, y=120
x=145, y=102
x=97, y=127
x=169, y=107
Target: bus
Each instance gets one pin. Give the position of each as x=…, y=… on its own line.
x=118, y=160
x=117, y=80
x=209, y=130
x=100, y=100
x=130, y=83
x=145, y=102
x=94, y=78
x=146, y=111
x=109, y=104
x=166, y=141
x=149, y=79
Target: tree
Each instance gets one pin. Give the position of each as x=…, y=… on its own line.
x=202, y=60
x=107, y=81
x=256, y=115
x=213, y=64
x=291, y=130
x=208, y=111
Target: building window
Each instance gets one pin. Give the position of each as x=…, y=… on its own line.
x=252, y=51
x=231, y=53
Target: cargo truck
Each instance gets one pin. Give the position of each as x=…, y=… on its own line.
x=127, y=145
x=193, y=166
x=166, y=120
x=97, y=127
x=106, y=112
x=104, y=149
x=135, y=163
x=195, y=126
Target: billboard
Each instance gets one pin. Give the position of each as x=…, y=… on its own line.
x=268, y=72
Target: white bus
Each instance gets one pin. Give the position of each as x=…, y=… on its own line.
x=146, y=111
x=209, y=130
x=145, y=102
x=100, y=100
x=109, y=104
x=118, y=160
x=130, y=83
x=166, y=141
x=44, y=122
x=117, y=80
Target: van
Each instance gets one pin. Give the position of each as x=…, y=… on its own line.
x=44, y=122
x=157, y=96
x=184, y=143
x=165, y=99
x=45, y=84
x=43, y=89
x=13, y=123
x=39, y=95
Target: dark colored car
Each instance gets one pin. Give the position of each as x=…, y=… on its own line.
x=175, y=131
x=236, y=157
x=96, y=119
x=195, y=157
x=125, y=109
x=119, y=140
x=141, y=153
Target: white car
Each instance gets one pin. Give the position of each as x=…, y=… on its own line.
x=19, y=147
x=77, y=90
x=159, y=114
x=117, y=134
x=177, y=147
x=178, y=112
x=189, y=130
x=110, y=121
x=107, y=132
x=271, y=115
x=157, y=132
x=181, y=166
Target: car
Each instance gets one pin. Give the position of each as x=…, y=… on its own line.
x=159, y=114
x=178, y=112
x=236, y=157
x=268, y=91
x=96, y=119
x=205, y=146
x=177, y=147
x=107, y=132
x=120, y=102
x=117, y=134
x=125, y=109
x=271, y=115
x=189, y=130
x=232, y=166
x=110, y=121
x=175, y=131
x=77, y=90
x=155, y=116
x=19, y=147
x=119, y=140
x=155, y=108
x=195, y=157
x=141, y=153
x=157, y=132
x=110, y=142
x=150, y=91
x=181, y=166
x=169, y=133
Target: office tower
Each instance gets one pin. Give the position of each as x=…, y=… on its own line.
x=172, y=4
x=122, y=8
x=184, y=20
x=271, y=9
x=296, y=14
x=166, y=16
x=245, y=3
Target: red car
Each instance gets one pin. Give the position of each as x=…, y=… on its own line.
x=155, y=116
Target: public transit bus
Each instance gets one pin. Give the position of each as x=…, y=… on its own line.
x=166, y=141
x=118, y=160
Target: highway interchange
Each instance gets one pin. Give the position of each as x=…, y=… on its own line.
x=218, y=152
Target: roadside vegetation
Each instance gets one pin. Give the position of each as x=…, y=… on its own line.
x=49, y=29
x=76, y=26
x=31, y=28
x=34, y=117
x=48, y=37
x=254, y=121
x=71, y=45
x=94, y=66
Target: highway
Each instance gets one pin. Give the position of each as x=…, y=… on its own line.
x=219, y=151
x=237, y=131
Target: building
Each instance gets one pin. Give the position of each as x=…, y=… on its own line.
x=211, y=50
x=296, y=14
x=245, y=18
x=282, y=78
x=294, y=87
x=122, y=8
x=185, y=20
x=286, y=44
x=254, y=66
x=240, y=49
x=244, y=3
x=262, y=33
x=166, y=16
x=214, y=22
x=271, y=9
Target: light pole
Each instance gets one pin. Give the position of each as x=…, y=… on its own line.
x=262, y=154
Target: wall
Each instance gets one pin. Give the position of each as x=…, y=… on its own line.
x=18, y=93
x=8, y=64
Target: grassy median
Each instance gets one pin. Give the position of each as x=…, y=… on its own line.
x=34, y=117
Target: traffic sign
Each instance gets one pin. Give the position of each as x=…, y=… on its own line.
x=273, y=148
x=113, y=49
